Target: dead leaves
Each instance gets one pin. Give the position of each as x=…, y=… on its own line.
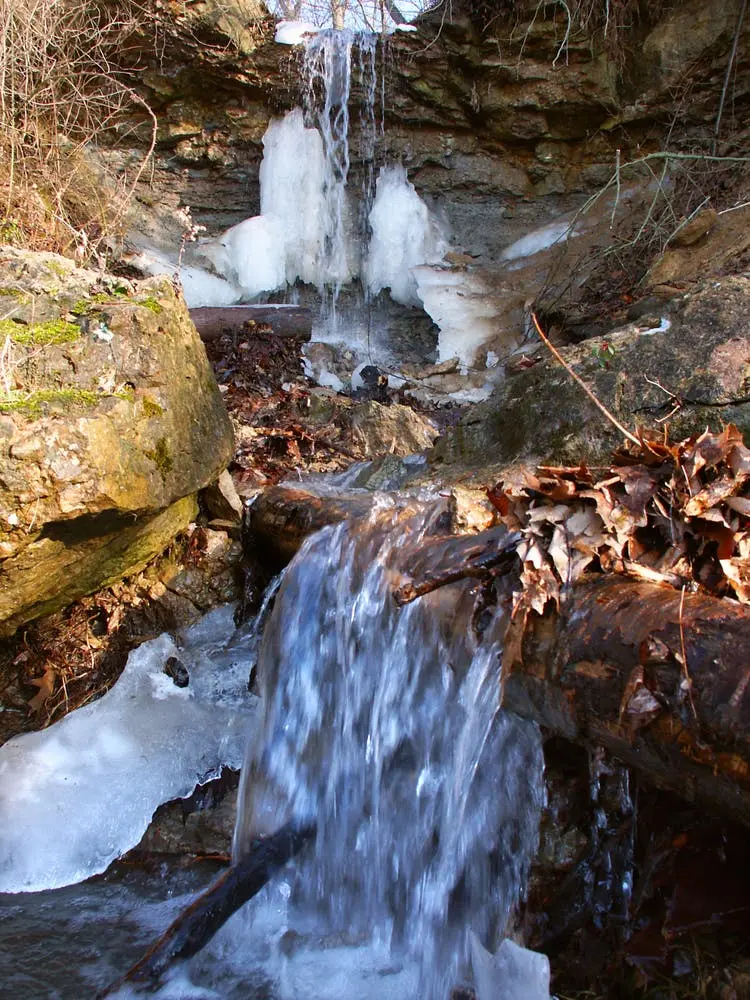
x=669, y=513
x=46, y=688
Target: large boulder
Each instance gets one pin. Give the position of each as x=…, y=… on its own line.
x=109, y=418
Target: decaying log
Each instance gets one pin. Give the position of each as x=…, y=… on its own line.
x=196, y=925
x=282, y=517
x=607, y=670
x=285, y=321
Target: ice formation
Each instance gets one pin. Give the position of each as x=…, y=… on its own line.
x=405, y=234
x=538, y=240
x=79, y=794
x=252, y=255
x=200, y=287
x=292, y=179
x=459, y=303
x=512, y=973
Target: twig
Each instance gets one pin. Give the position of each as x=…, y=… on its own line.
x=442, y=578
x=577, y=378
x=728, y=74
x=687, y=681
x=618, y=157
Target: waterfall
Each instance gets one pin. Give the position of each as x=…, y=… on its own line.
x=328, y=78
x=383, y=725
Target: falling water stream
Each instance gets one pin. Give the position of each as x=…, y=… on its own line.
x=383, y=725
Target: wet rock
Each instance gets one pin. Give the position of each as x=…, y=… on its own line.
x=201, y=824
x=177, y=670
x=470, y=511
x=214, y=576
x=222, y=500
x=698, y=353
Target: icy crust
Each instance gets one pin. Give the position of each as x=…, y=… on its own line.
x=538, y=240
x=78, y=795
x=512, y=973
x=405, y=234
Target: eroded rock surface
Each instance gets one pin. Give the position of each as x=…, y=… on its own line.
x=109, y=416
x=688, y=367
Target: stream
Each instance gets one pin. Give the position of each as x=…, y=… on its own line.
x=379, y=725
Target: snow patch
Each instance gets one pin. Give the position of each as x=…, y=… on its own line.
x=294, y=32
x=79, y=794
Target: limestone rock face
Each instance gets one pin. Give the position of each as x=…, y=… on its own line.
x=699, y=352
x=109, y=415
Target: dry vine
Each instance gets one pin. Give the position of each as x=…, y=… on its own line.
x=62, y=90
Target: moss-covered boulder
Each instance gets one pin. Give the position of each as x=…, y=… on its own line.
x=109, y=415
x=686, y=366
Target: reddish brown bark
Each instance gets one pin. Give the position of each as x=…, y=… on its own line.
x=607, y=669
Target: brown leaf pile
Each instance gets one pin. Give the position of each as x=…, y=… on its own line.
x=671, y=513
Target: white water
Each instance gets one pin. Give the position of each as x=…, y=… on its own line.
x=385, y=729
x=380, y=723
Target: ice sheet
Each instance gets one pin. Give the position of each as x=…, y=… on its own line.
x=512, y=973
x=79, y=794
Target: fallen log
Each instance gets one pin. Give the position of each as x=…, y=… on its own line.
x=660, y=681
x=282, y=517
x=212, y=322
x=196, y=925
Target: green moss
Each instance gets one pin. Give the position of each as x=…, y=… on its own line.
x=151, y=303
x=31, y=403
x=15, y=293
x=60, y=270
x=161, y=457
x=151, y=408
x=55, y=331
x=10, y=232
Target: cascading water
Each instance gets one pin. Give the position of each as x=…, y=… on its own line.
x=379, y=724
x=328, y=77
x=385, y=730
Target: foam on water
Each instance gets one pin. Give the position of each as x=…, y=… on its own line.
x=385, y=728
